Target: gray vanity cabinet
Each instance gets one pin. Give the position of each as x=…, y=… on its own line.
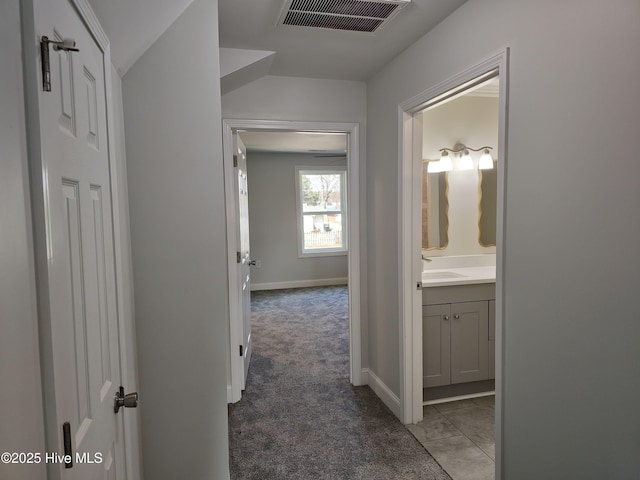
x=436, y=345
x=458, y=340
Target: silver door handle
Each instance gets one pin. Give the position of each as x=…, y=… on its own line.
x=130, y=400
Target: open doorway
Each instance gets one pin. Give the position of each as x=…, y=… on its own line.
x=334, y=231
x=416, y=271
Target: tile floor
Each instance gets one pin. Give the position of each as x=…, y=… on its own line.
x=461, y=437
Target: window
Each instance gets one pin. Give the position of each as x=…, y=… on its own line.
x=322, y=214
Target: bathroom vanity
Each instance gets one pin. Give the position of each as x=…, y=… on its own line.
x=458, y=331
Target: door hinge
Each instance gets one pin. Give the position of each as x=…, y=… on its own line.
x=66, y=442
x=238, y=257
x=235, y=161
x=66, y=45
x=241, y=350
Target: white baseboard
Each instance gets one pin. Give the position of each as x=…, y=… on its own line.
x=389, y=398
x=229, y=394
x=322, y=282
x=364, y=377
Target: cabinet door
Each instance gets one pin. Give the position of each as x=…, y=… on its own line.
x=469, y=341
x=436, y=346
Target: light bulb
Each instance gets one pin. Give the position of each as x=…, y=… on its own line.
x=465, y=161
x=446, y=165
x=434, y=166
x=486, y=162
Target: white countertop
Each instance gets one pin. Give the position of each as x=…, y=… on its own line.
x=439, y=277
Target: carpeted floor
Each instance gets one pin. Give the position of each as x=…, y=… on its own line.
x=299, y=417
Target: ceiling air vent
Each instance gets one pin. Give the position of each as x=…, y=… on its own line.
x=352, y=15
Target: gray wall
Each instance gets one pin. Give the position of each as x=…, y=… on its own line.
x=20, y=390
x=571, y=327
x=176, y=196
x=273, y=221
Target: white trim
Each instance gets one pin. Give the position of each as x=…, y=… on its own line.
x=387, y=396
x=91, y=21
x=320, y=282
x=229, y=126
x=229, y=393
x=126, y=324
x=459, y=397
x=410, y=297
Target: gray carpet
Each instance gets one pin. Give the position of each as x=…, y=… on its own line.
x=299, y=417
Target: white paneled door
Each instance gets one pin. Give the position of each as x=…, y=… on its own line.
x=75, y=250
x=244, y=255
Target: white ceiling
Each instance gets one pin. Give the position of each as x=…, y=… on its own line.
x=321, y=53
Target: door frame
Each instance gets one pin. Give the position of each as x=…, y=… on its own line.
x=129, y=424
x=410, y=301
x=231, y=125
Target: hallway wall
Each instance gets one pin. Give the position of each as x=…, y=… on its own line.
x=176, y=196
x=570, y=348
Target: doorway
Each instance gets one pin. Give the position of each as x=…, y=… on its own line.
x=410, y=253
x=233, y=126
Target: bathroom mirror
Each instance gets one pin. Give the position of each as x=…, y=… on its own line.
x=487, y=206
x=435, y=207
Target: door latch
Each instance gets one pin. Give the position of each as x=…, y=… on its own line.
x=130, y=400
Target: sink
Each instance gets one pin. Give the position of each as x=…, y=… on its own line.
x=437, y=275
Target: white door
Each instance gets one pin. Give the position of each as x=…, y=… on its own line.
x=244, y=255
x=75, y=251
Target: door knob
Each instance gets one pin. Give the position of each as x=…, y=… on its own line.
x=130, y=400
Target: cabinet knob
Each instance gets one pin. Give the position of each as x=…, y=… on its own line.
x=446, y=317
x=456, y=316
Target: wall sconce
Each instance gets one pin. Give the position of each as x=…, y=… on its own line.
x=465, y=162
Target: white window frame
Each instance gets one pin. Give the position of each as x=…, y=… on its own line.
x=321, y=252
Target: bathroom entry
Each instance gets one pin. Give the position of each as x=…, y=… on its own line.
x=459, y=163
x=452, y=207
x=412, y=274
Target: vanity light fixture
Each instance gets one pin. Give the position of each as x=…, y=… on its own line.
x=466, y=163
